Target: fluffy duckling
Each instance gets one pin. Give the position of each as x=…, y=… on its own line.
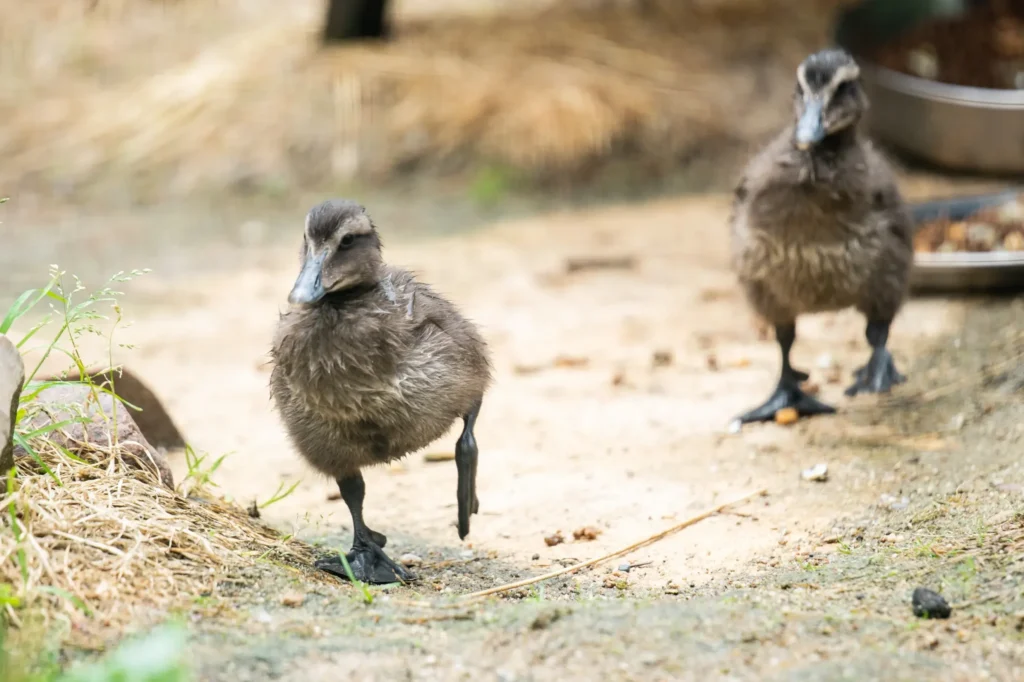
x=818, y=224
x=368, y=366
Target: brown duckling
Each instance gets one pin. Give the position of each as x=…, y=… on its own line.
x=370, y=365
x=818, y=224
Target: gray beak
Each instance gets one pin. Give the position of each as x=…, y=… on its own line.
x=810, y=129
x=308, y=288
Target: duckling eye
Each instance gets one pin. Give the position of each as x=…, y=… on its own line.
x=844, y=89
x=347, y=241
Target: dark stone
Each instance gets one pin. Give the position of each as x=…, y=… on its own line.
x=930, y=604
x=12, y=376
x=108, y=421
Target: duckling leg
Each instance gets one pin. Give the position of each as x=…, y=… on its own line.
x=787, y=393
x=880, y=374
x=466, y=459
x=367, y=560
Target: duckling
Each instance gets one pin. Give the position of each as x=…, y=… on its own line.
x=818, y=224
x=369, y=365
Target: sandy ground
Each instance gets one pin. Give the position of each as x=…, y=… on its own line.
x=811, y=582
x=617, y=443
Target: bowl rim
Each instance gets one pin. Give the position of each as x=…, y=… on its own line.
x=970, y=260
x=962, y=95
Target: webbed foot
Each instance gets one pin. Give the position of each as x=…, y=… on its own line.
x=878, y=376
x=369, y=564
x=378, y=539
x=787, y=394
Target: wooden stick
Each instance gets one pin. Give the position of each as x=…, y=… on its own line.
x=617, y=553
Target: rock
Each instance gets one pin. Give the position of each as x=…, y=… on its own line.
x=625, y=568
x=661, y=358
x=151, y=417
x=555, y=538
x=65, y=402
x=293, y=599
x=818, y=473
x=586, y=533
x=410, y=560
x=929, y=604
x=12, y=375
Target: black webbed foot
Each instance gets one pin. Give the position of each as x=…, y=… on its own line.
x=878, y=376
x=369, y=564
x=466, y=455
x=787, y=394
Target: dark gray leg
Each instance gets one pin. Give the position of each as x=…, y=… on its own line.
x=787, y=393
x=466, y=460
x=880, y=374
x=367, y=560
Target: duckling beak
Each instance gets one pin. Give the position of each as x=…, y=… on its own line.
x=810, y=129
x=308, y=287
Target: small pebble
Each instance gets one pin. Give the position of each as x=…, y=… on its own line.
x=293, y=599
x=535, y=557
x=661, y=358
x=735, y=426
x=818, y=473
x=554, y=539
x=929, y=604
x=410, y=560
x=825, y=361
x=625, y=567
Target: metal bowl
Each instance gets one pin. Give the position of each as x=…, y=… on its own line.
x=965, y=272
x=962, y=128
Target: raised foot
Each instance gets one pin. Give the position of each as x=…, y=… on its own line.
x=878, y=376
x=369, y=564
x=786, y=395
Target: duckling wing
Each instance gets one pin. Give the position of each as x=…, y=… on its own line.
x=888, y=207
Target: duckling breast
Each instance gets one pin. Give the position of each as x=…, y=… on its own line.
x=808, y=256
x=369, y=382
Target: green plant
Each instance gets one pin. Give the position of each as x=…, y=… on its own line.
x=363, y=588
x=74, y=319
x=280, y=494
x=490, y=185
x=199, y=474
x=159, y=656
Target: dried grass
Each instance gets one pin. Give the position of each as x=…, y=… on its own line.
x=553, y=92
x=112, y=539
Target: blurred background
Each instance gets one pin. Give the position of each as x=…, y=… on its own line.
x=238, y=109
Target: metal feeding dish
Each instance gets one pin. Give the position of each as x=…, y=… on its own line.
x=963, y=128
x=965, y=272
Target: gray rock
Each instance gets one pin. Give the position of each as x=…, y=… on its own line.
x=12, y=375
x=108, y=421
x=151, y=417
x=929, y=604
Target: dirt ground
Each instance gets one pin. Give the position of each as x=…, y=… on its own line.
x=613, y=392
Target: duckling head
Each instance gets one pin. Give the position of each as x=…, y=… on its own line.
x=340, y=251
x=829, y=97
